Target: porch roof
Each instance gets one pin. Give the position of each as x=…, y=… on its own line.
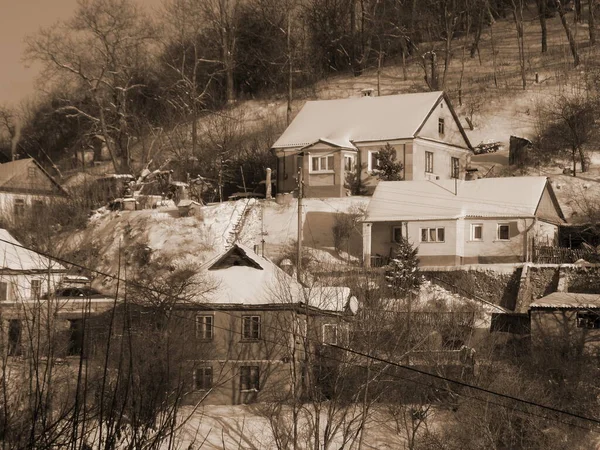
x=453, y=199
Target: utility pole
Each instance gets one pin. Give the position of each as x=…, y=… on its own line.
x=300, y=224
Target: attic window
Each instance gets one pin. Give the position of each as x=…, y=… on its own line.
x=235, y=257
x=441, y=126
x=31, y=172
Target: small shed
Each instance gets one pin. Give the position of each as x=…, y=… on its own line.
x=518, y=150
x=567, y=318
x=188, y=208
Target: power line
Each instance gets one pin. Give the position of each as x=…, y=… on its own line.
x=308, y=340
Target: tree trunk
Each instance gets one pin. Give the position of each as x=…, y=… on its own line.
x=541, y=4
x=583, y=162
x=574, y=156
x=518, y=18
x=571, y=39
x=475, y=45
x=577, y=16
x=591, y=22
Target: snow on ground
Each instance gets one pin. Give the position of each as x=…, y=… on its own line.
x=162, y=233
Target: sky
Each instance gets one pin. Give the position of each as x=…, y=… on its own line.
x=19, y=18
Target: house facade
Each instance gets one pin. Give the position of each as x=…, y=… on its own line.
x=25, y=185
x=332, y=140
x=455, y=222
x=250, y=337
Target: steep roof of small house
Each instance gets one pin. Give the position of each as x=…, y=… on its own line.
x=240, y=276
x=13, y=173
x=452, y=199
x=14, y=257
x=359, y=119
x=567, y=300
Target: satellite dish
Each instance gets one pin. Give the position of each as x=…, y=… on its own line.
x=353, y=304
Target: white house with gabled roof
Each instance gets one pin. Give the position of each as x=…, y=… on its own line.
x=454, y=222
x=330, y=138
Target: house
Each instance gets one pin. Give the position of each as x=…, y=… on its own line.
x=245, y=338
x=34, y=291
x=453, y=222
x=25, y=184
x=567, y=318
x=329, y=139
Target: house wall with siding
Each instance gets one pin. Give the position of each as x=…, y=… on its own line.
x=452, y=134
x=442, y=158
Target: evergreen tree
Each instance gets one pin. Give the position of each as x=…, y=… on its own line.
x=388, y=168
x=402, y=273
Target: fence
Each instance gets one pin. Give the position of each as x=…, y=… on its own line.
x=558, y=255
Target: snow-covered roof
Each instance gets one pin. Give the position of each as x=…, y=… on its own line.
x=15, y=257
x=567, y=300
x=451, y=199
x=241, y=276
x=360, y=119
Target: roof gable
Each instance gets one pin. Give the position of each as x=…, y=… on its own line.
x=235, y=256
x=359, y=119
x=14, y=256
x=452, y=199
x=15, y=177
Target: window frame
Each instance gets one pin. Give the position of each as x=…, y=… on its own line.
x=4, y=289
x=207, y=374
x=348, y=157
x=394, y=229
x=320, y=159
x=473, y=237
x=14, y=347
x=252, y=336
x=19, y=207
x=249, y=378
x=441, y=126
x=205, y=333
x=36, y=292
x=587, y=318
x=428, y=231
x=498, y=227
x=31, y=173
x=454, y=167
x=372, y=154
x=428, y=161
x=334, y=327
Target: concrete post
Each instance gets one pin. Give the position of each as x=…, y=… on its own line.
x=366, y=234
x=268, y=195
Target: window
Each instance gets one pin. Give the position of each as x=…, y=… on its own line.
x=38, y=207
x=433, y=234
x=429, y=162
x=397, y=234
x=349, y=163
x=31, y=172
x=503, y=232
x=477, y=232
x=75, y=345
x=588, y=319
x=321, y=163
x=249, y=378
x=19, y=207
x=454, y=167
x=330, y=333
x=36, y=289
x=441, y=127
x=251, y=328
x=204, y=327
x=373, y=161
x=3, y=291
x=14, y=337
x=203, y=378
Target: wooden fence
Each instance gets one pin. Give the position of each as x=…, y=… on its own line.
x=558, y=255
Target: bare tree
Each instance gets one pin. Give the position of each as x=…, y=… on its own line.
x=99, y=52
